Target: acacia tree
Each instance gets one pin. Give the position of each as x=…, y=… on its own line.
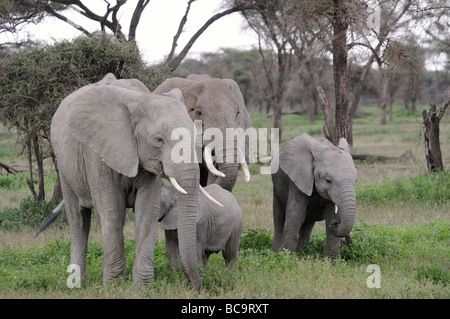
x=19, y=12
x=305, y=23
x=278, y=66
x=34, y=81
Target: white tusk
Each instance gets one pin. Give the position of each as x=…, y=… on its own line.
x=209, y=163
x=202, y=190
x=244, y=165
x=335, y=209
x=176, y=185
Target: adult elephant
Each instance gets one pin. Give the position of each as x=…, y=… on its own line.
x=219, y=104
x=112, y=143
x=313, y=180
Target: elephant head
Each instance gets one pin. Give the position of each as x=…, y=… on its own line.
x=316, y=164
x=219, y=104
x=130, y=129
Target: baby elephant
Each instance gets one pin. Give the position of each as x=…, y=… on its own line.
x=218, y=228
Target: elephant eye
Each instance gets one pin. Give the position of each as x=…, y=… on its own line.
x=199, y=113
x=238, y=112
x=159, y=140
x=328, y=180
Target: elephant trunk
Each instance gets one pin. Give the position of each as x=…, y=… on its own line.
x=230, y=167
x=187, y=224
x=346, y=212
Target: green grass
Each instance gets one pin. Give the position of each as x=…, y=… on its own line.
x=402, y=249
x=427, y=189
x=402, y=226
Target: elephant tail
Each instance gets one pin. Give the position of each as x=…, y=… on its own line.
x=51, y=217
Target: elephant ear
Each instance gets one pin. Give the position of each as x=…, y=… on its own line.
x=108, y=79
x=100, y=119
x=175, y=93
x=243, y=119
x=343, y=145
x=198, y=77
x=189, y=89
x=296, y=160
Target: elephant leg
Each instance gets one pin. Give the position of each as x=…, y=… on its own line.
x=110, y=209
x=295, y=216
x=278, y=223
x=114, y=263
x=205, y=258
x=147, y=208
x=230, y=254
x=172, y=248
x=304, y=235
x=79, y=219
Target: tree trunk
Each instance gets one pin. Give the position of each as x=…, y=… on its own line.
x=30, y=180
x=57, y=191
x=40, y=164
x=340, y=26
x=433, y=153
x=323, y=100
x=391, y=102
x=277, y=114
x=357, y=97
x=384, y=95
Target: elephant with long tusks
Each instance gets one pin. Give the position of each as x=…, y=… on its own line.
x=219, y=105
x=112, y=144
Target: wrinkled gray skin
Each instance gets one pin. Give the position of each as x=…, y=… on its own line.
x=218, y=229
x=112, y=143
x=313, y=177
x=219, y=104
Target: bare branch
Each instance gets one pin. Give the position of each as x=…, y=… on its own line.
x=56, y=14
x=136, y=18
x=175, y=62
x=180, y=29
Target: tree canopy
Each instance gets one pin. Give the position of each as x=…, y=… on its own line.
x=34, y=81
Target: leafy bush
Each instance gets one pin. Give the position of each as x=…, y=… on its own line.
x=34, y=81
x=31, y=213
x=372, y=244
x=431, y=189
x=256, y=239
x=434, y=273
x=13, y=182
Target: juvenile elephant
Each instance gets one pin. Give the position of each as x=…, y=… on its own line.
x=219, y=104
x=112, y=143
x=313, y=180
x=218, y=229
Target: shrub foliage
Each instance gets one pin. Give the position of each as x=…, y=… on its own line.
x=34, y=81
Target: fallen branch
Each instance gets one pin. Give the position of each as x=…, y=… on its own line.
x=286, y=113
x=408, y=155
x=9, y=169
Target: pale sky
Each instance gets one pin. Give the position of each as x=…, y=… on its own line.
x=159, y=23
